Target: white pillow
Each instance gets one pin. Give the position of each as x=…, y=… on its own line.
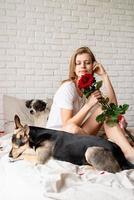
x=12, y=106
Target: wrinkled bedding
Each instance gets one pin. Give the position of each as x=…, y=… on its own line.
x=59, y=180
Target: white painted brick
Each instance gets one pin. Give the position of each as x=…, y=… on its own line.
x=25, y=71
x=35, y=78
x=52, y=41
x=122, y=62
x=70, y=18
x=25, y=84
x=16, y=40
x=15, y=1
x=83, y=2
x=69, y=6
x=2, y=51
x=125, y=5
x=6, y=58
x=42, y=60
x=2, y=12
x=33, y=53
x=14, y=13
x=35, y=91
x=71, y=29
x=14, y=91
x=9, y=71
x=14, y=65
x=101, y=32
x=7, y=84
x=24, y=59
x=15, y=52
x=8, y=19
x=61, y=35
x=93, y=2
x=38, y=84
x=7, y=5
x=64, y=12
x=13, y=77
x=3, y=38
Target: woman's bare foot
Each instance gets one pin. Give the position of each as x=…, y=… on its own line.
x=130, y=156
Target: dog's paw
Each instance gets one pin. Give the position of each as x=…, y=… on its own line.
x=12, y=160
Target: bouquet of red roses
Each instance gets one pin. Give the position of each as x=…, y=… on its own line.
x=111, y=112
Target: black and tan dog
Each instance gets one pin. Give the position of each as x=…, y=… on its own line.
x=77, y=149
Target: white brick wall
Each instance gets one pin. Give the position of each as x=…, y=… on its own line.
x=37, y=38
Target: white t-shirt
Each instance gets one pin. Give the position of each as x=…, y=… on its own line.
x=65, y=97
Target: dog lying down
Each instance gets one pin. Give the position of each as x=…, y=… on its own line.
x=77, y=149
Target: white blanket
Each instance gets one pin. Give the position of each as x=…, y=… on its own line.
x=59, y=180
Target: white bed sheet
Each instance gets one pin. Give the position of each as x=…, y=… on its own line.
x=60, y=180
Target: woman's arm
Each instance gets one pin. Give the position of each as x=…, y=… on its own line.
x=99, y=70
x=109, y=88
x=67, y=115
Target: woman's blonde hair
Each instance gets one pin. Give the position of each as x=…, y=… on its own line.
x=72, y=65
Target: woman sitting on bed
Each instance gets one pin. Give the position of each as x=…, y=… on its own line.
x=69, y=109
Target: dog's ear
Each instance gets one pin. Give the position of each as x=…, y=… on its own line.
x=28, y=103
x=26, y=129
x=42, y=104
x=17, y=122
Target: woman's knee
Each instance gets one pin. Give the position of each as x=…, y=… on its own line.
x=71, y=128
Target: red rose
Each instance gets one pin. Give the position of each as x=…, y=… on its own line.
x=86, y=81
x=122, y=121
x=120, y=117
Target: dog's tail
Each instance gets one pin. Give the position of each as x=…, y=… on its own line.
x=124, y=163
x=119, y=155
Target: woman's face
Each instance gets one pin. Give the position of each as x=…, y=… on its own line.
x=83, y=64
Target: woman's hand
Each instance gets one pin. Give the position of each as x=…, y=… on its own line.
x=94, y=98
x=98, y=69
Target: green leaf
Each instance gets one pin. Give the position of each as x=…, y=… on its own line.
x=113, y=106
x=101, y=117
x=103, y=107
x=111, y=112
x=87, y=95
x=125, y=107
x=98, y=85
x=107, y=100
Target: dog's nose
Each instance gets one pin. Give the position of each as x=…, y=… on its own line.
x=31, y=111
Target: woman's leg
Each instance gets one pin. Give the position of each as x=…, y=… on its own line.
x=116, y=134
x=73, y=128
x=91, y=126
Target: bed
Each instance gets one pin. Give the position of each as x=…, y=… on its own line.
x=56, y=179
x=59, y=180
